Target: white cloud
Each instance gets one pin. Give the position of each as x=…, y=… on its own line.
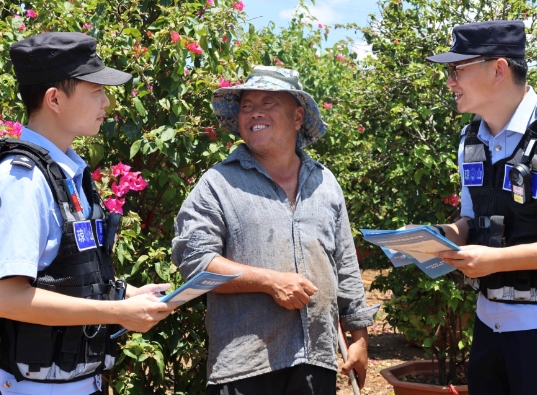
x=362, y=49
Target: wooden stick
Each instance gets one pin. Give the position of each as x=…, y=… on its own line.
x=343, y=347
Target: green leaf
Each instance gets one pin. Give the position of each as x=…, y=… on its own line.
x=139, y=106
x=135, y=147
x=167, y=134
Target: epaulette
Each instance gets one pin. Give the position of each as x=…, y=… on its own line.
x=21, y=160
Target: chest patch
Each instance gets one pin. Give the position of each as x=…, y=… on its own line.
x=84, y=235
x=472, y=174
x=99, y=223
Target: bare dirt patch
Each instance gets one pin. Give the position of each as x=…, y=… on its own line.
x=386, y=348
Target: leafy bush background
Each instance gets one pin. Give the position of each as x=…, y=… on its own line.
x=392, y=140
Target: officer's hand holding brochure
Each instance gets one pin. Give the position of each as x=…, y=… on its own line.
x=198, y=285
x=416, y=245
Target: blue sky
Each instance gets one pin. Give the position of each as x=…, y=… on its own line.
x=328, y=12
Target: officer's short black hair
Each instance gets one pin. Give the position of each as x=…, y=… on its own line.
x=519, y=69
x=32, y=95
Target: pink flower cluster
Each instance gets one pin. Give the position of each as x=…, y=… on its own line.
x=10, y=129
x=452, y=200
x=238, y=5
x=31, y=14
x=224, y=83
x=123, y=181
x=194, y=48
x=340, y=57
x=328, y=106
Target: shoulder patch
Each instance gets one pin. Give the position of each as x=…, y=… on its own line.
x=21, y=160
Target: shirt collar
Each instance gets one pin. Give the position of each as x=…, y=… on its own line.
x=242, y=155
x=69, y=161
x=519, y=121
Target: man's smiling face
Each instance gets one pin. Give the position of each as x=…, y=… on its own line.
x=269, y=121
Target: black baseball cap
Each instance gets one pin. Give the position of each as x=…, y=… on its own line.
x=493, y=38
x=56, y=56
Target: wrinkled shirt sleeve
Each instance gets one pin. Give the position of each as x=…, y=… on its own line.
x=351, y=299
x=200, y=231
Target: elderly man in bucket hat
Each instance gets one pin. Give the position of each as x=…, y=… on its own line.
x=486, y=72
x=272, y=213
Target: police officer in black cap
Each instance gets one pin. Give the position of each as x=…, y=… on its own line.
x=59, y=294
x=486, y=72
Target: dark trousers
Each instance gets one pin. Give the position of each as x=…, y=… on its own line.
x=502, y=363
x=297, y=380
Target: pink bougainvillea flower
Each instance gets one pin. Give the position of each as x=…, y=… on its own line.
x=238, y=5
x=87, y=26
x=194, y=48
x=238, y=43
x=229, y=144
x=15, y=16
x=134, y=92
x=340, y=57
x=96, y=175
x=149, y=34
x=31, y=14
x=211, y=2
x=150, y=87
x=175, y=37
x=224, y=83
x=186, y=72
x=279, y=63
x=22, y=27
x=211, y=132
x=134, y=181
x=328, y=106
x=10, y=129
x=225, y=38
x=320, y=26
x=120, y=169
x=114, y=205
x=122, y=188
x=361, y=128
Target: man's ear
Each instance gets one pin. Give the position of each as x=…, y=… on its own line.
x=52, y=99
x=299, y=117
x=502, y=70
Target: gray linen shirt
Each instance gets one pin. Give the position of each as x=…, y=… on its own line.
x=237, y=211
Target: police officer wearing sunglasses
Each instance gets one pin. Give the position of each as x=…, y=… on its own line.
x=486, y=72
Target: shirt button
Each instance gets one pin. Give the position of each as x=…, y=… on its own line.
x=497, y=326
x=498, y=148
x=7, y=384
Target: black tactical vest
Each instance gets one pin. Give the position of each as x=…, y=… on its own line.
x=52, y=354
x=499, y=221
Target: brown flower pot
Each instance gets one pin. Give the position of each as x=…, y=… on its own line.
x=394, y=373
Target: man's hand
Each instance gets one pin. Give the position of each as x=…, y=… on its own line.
x=154, y=289
x=291, y=290
x=357, y=353
x=140, y=313
x=474, y=261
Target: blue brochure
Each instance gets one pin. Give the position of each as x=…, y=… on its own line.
x=416, y=245
x=196, y=286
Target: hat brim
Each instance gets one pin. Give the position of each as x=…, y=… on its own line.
x=226, y=106
x=106, y=76
x=450, y=57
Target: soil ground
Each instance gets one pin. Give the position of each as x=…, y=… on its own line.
x=386, y=348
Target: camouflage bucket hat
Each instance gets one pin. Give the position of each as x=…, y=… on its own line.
x=226, y=101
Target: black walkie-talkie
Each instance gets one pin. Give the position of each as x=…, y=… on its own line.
x=111, y=227
x=520, y=175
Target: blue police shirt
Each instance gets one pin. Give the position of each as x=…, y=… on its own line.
x=503, y=317
x=30, y=231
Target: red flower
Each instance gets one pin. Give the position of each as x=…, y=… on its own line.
x=120, y=169
x=224, y=38
x=22, y=27
x=452, y=200
x=328, y=106
x=320, y=26
x=194, y=48
x=149, y=34
x=115, y=205
x=31, y=14
x=211, y=132
x=361, y=129
x=238, y=42
x=279, y=63
x=96, y=175
x=340, y=57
